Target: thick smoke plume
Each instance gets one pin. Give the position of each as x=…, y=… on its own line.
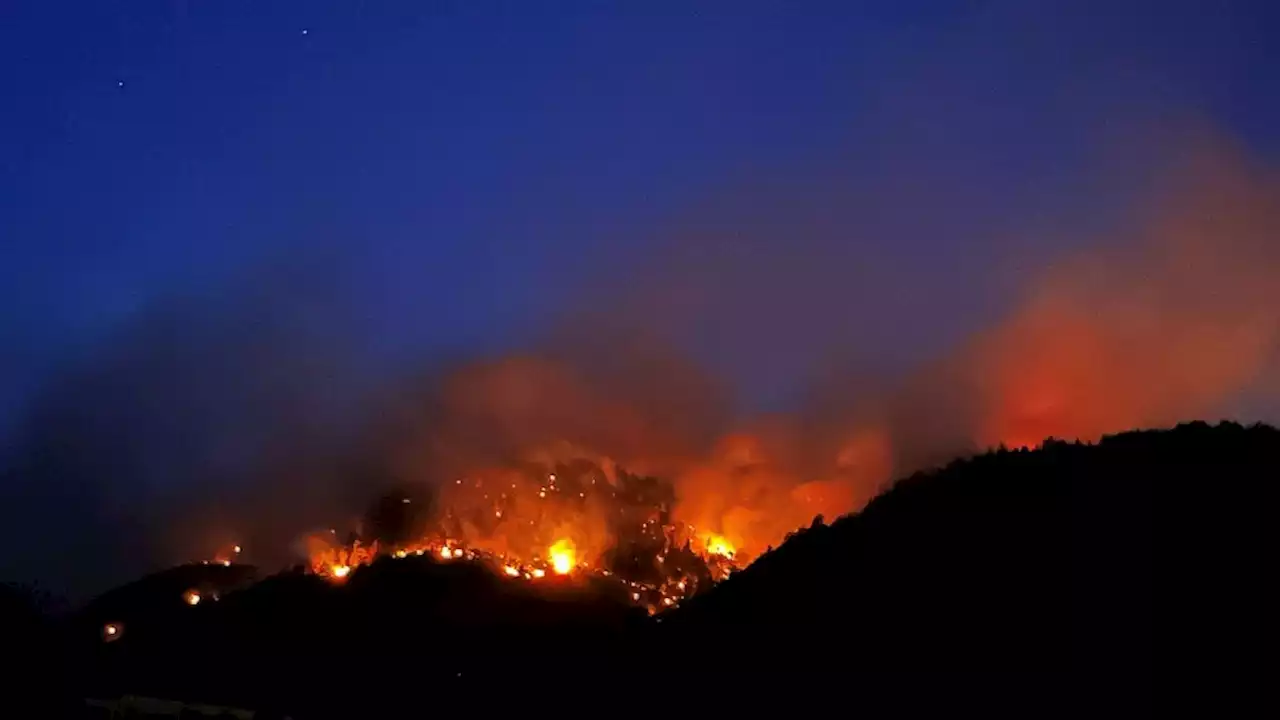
x=206, y=426
x=1173, y=325
x=1173, y=319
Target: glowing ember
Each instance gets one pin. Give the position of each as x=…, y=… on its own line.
x=562, y=557
x=511, y=571
x=112, y=632
x=236, y=549
x=191, y=597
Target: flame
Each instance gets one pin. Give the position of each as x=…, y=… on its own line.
x=718, y=545
x=191, y=597
x=574, y=523
x=562, y=556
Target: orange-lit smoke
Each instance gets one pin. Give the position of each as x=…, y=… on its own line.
x=1172, y=326
x=1172, y=322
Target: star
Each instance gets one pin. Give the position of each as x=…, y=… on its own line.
x=305, y=31
x=119, y=83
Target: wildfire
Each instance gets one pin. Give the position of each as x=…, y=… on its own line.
x=562, y=557
x=717, y=545
x=191, y=597
x=578, y=524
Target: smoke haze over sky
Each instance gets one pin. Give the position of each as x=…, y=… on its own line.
x=898, y=230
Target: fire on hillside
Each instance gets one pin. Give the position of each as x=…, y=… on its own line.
x=534, y=525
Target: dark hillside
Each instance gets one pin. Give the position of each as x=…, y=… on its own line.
x=1020, y=566
x=1030, y=562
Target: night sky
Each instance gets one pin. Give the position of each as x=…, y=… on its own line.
x=776, y=183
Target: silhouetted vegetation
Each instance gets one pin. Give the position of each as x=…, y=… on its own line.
x=1032, y=565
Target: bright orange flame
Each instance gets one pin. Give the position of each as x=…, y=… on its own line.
x=718, y=545
x=191, y=597
x=340, y=571
x=511, y=571
x=562, y=557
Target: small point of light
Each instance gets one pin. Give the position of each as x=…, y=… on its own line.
x=237, y=549
x=405, y=501
x=119, y=83
x=305, y=31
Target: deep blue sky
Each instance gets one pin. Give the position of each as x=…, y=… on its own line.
x=472, y=162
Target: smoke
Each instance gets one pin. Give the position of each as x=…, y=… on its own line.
x=210, y=421
x=1168, y=316
x=1176, y=323
x=206, y=421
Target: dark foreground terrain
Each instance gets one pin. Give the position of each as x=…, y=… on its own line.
x=1024, y=577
